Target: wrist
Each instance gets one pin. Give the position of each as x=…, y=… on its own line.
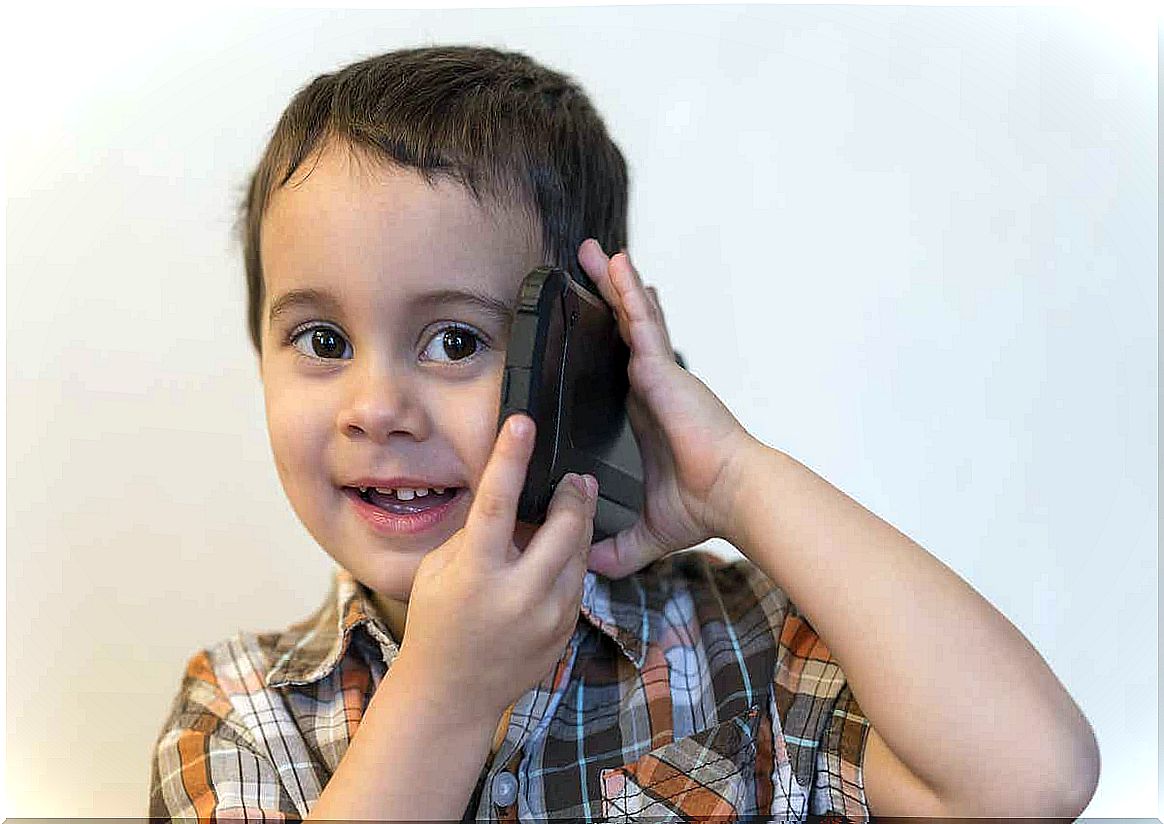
x=748, y=473
x=414, y=757
x=759, y=474
x=426, y=697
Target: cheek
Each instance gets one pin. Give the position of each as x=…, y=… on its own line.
x=469, y=420
x=477, y=432
x=294, y=434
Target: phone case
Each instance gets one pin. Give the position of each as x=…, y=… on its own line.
x=566, y=367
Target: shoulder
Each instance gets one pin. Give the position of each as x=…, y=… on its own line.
x=224, y=704
x=219, y=681
x=231, y=745
x=221, y=685
x=241, y=662
x=223, y=680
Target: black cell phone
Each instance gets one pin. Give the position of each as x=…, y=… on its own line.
x=566, y=367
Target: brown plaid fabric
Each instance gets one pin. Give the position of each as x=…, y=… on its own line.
x=691, y=689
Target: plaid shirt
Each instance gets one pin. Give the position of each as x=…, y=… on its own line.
x=693, y=688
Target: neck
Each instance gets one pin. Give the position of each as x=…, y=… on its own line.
x=393, y=613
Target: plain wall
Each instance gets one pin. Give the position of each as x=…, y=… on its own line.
x=915, y=248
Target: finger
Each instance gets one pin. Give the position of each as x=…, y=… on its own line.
x=654, y=293
x=568, y=587
x=493, y=512
x=594, y=261
x=567, y=531
x=623, y=553
x=597, y=266
x=620, y=286
x=641, y=328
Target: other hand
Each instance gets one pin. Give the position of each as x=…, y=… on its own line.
x=693, y=449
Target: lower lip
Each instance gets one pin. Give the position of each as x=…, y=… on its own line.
x=386, y=523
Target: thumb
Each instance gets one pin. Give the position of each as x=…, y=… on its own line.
x=624, y=553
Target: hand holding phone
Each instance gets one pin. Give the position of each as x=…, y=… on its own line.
x=485, y=621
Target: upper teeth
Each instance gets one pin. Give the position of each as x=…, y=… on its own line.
x=405, y=493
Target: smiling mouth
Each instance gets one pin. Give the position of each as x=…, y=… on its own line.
x=392, y=504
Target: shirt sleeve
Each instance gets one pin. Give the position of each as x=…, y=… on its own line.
x=204, y=768
x=820, y=728
x=824, y=729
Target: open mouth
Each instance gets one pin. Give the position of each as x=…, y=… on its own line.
x=417, y=504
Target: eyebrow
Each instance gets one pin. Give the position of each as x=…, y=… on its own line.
x=499, y=310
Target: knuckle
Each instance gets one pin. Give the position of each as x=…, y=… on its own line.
x=559, y=619
x=509, y=600
x=548, y=617
x=520, y=602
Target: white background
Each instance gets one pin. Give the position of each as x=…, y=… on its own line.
x=916, y=248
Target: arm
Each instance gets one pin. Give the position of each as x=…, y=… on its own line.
x=968, y=719
x=408, y=760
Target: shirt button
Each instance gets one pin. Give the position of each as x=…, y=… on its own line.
x=504, y=789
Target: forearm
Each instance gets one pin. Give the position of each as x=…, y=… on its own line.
x=408, y=760
x=955, y=690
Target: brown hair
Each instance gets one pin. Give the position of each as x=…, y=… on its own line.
x=500, y=124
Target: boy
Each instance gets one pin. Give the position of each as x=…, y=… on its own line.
x=466, y=665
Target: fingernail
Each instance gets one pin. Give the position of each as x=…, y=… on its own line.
x=579, y=483
x=519, y=426
x=591, y=485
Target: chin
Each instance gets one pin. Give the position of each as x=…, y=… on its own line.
x=390, y=574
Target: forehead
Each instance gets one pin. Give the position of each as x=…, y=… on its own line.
x=351, y=223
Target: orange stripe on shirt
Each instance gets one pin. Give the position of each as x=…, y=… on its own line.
x=354, y=683
x=196, y=773
x=201, y=669
x=680, y=791
x=802, y=640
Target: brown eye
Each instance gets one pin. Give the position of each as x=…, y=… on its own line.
x=325, y=343
x=457, y=343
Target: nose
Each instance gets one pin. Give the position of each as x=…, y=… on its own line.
x=381, y=401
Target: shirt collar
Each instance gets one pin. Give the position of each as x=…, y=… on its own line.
x=624, y=609
x=311, y=649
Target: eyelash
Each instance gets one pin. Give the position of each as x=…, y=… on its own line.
x=298, y=331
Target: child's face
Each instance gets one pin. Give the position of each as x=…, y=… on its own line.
x=373, y=386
